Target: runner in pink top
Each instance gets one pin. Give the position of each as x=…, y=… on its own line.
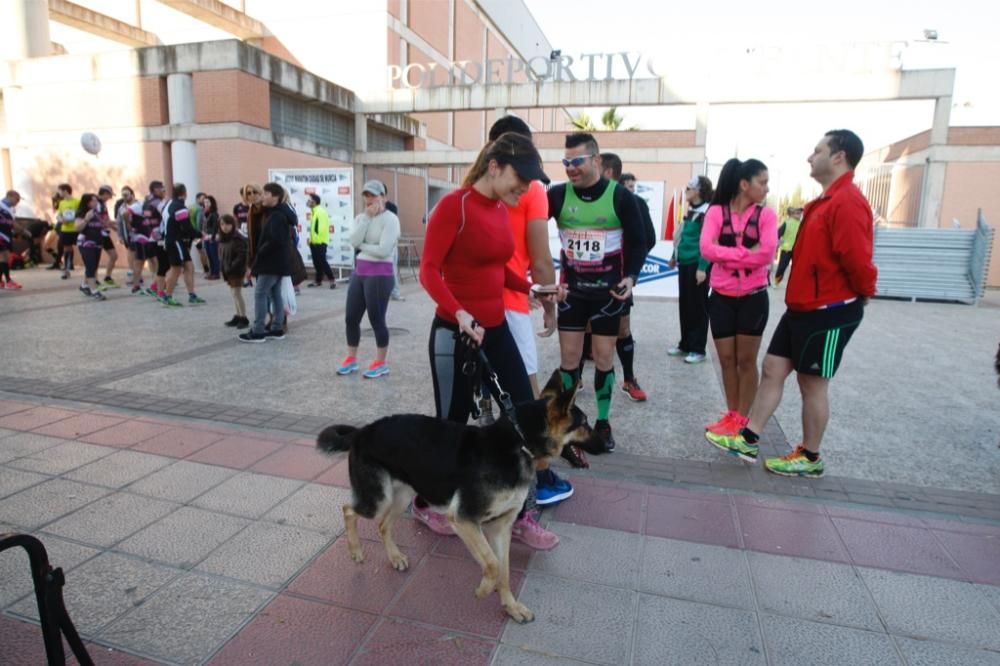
x=739, y=237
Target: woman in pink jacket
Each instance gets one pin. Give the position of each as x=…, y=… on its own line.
x=739, y=237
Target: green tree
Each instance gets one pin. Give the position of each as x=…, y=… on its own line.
x=611, y=121
x=582, y=122
x=793, y=200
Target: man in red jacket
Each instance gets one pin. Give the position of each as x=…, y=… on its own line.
x=831, y=281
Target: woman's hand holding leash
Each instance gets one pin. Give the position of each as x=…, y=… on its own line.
x=470, y=327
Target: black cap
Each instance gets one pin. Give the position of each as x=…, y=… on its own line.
x=315, y=198
x=527, y=167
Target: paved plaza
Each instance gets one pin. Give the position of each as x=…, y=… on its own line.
x=170, y=471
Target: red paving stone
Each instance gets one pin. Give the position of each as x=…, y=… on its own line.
x=337, y=475
x=125, y=435
x=790, y=533
x=296, y=631
x=397, y=642
x=36, y=417
x=12, y=406
x=235, y=452
x=177, y=442
x=293, y=462
x=442, y=591
x=369, y=586
x=887, y=517
x=520, y=554
x=79, y=425
x=774, y=503
x=896, y=547
x=703, y=521
x=613, y=506
x=979, y=556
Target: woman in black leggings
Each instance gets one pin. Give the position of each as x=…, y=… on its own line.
x=464, y=269
x=375, y=234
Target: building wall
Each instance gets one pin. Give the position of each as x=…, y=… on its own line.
x=970, y=186
x=231, y=96
x=226, y=165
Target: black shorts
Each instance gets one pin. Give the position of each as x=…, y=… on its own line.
x=814, y=341
x=38, y=228
x=730, y=316
x=68, y=238
x=144, y=251
x=107, y=244
x=178, y=253
x=603, y=315
x=162, y=261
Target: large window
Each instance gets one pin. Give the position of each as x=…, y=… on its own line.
x=310, y=121
x=380, y=139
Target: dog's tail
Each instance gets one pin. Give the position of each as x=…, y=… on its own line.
x=336, y=438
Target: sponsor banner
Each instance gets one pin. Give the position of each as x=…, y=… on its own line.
x=335, y=188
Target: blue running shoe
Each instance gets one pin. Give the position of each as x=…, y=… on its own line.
x=551, y=489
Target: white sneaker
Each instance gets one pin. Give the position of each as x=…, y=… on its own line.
x=694, y=358
x=675, y=351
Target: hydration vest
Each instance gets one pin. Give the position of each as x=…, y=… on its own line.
x=751, y=233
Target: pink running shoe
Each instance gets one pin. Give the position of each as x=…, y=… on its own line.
x=435, y=521
x=723, y=423
x=12, y=285
x=527, y=530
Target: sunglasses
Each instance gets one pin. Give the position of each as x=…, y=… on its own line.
x=576, y=161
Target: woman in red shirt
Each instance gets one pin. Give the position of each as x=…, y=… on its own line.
x=464, y=269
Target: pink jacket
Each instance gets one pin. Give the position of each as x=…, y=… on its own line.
x=729, y=264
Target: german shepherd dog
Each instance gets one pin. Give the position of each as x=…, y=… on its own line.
x=478, y=477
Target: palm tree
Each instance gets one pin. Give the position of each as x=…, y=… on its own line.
x=611, y=121
x=582, y=122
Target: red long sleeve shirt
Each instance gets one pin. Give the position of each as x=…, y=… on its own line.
x=464, y=264
x=832, y=257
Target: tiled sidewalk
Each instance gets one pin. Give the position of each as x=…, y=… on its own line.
x=191, y=544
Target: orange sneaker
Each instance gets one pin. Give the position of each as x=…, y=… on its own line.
x=726, y=417
x=633, y=391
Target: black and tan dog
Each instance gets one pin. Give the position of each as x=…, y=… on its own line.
x=478, y=477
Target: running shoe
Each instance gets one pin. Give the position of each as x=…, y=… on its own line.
x=170, y=302
x=675, y=351
x=693, y=358
x=527, y=530
x=151, y=292
x=551, y=489
x=252, y=337
x=2, y=285
x=137, y=291
x=603, y=428
x=11, y=284
x=110, y=283
x=734, y=445
x=376, y=369
x=795, y=464
x=195, y=299
x=85, y=290
x=243, y=323
x=314, y=284
x=64, y=276
x=632, y=390
x=729, y=424
x=98, y=296
x=276, y=334
x=348, y=365
x=232, y=322
x=435, y=521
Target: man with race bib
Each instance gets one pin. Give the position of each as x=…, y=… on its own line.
x=603, y=249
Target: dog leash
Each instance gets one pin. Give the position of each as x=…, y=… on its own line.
x=475, y=370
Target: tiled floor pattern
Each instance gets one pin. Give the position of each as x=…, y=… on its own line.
x=185, y=544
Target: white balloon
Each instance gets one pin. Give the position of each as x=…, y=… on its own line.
x=90, y=142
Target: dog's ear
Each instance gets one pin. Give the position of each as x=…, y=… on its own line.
x=554, y=387
x=563, y=402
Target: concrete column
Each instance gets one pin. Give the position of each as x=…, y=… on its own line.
x=27, y=30
x=360, y=133
x=180, y=111
x=184, y=157
x=700, y=136
x=935, y=170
